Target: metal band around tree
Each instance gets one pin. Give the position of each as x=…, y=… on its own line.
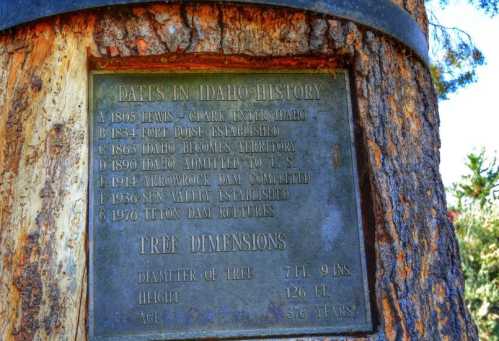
x=381, y=15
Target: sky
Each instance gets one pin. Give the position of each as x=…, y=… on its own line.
x=470, y=117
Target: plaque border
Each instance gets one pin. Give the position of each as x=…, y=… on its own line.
x=98, y=66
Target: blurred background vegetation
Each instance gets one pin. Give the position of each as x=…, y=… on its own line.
x=476, y=220
x=475, y=210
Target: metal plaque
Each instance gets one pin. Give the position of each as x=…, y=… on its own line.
x=224, y=205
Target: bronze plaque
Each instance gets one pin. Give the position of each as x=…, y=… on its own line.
x=224, y=205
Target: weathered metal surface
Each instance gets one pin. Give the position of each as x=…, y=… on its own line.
x=224, y=205
x=382, y=15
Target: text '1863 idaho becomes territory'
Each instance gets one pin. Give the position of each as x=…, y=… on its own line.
x=224, y=205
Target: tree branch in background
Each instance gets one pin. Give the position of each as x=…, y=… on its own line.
x=490, y=7
x=455, y=58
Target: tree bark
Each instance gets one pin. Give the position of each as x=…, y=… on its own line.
x=417, y=283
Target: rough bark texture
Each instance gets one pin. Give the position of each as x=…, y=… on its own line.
x=417, y=281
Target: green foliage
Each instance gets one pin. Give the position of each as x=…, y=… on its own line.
x=477, y=228
x=479, y=185
x=478, y=233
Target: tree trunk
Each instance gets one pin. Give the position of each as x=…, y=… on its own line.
x=417, y=283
